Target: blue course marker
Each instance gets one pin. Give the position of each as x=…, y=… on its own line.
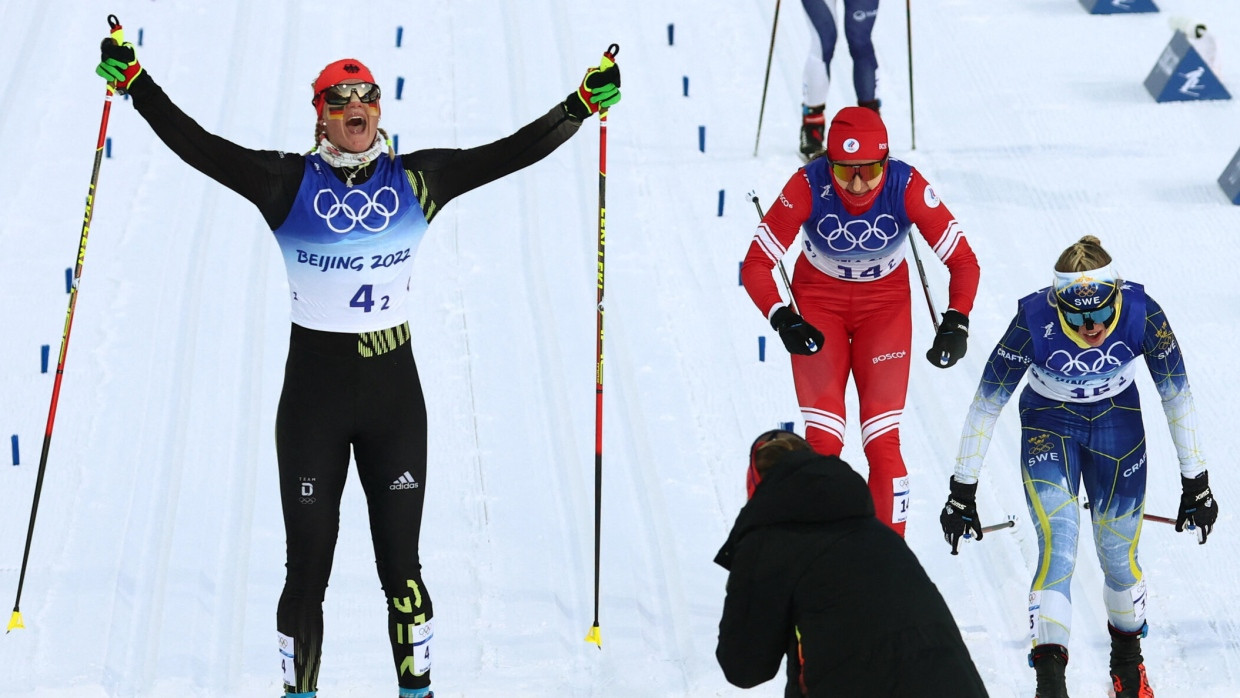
x=671, y=32
x=739, y=266
x=720, y=202
x=139, y=36
x=396, y=143
x=107, y=147
x=702, y=138
x=16, y=460
x=400, y=87
x=45, y=351
x=786, y=426
x=400, y=33
x=68, y=280
x=761, y=348
x=685, y=84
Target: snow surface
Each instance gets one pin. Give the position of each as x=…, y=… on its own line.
x=158, y=553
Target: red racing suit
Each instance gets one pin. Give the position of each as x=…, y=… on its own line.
x=851, y=282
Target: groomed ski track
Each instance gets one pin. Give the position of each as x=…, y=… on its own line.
x=158, y=553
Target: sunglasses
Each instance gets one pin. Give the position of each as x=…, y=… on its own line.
x=342, y=94
x=866, y=170
x=1101, y=316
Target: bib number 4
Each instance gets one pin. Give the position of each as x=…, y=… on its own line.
x=365, y=299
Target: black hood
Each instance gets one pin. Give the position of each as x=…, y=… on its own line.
x=802, y=488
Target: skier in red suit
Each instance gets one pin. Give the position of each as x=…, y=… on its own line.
x=856, y=206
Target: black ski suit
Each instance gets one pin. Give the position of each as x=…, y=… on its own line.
x=348, y=391
x=814, y=575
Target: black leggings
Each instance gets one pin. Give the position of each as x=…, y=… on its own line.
x=343, y=390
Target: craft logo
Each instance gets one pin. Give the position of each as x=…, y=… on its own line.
x=1012, y=357
x=1129, y=472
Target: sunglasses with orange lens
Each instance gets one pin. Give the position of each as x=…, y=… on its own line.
x=866, y=170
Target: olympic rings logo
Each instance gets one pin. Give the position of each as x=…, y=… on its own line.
x=858, y=234
x=357, y=208
x=1087, y=290
x=1090, y=361
x=1040, y=444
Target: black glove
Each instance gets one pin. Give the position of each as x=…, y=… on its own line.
x=799, y=336
x=950, y=343
x=1197, y=506
x=960, y=513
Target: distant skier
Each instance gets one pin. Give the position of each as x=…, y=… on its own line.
x=859, y=18
x=851, y=285
x=813, y=575
x=1081, y=424
x=348, y=217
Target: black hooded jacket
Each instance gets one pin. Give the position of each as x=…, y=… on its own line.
x=809, y=562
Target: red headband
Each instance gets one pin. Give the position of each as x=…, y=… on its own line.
x=335, y=73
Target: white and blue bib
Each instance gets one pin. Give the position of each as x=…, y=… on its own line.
x=349, y=251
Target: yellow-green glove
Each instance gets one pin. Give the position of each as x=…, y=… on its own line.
x=118, y=61
x=599, y=89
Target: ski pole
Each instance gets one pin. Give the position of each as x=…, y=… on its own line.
x=1152, y=517
x=766, y=81
x=1010, y=523
x=921, y=271
x=782, y=271
x=606, y=62
x=15, y=621
x=912, y=118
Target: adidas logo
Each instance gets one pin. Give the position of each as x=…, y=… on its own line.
x=404, y=482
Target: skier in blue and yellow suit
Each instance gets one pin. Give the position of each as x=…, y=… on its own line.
x=1081, y=423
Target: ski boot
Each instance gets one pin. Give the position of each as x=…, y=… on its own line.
x=813, y=127
x=1050, y=661
x=872, y=104
x=1127, y=664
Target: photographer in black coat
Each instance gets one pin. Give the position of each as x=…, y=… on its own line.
x=815, y=576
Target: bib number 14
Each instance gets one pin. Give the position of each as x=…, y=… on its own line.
x=365, y=299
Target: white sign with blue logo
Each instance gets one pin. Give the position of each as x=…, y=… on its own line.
x=1230, y=179
x=1115, y=7
x=1182, y=75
